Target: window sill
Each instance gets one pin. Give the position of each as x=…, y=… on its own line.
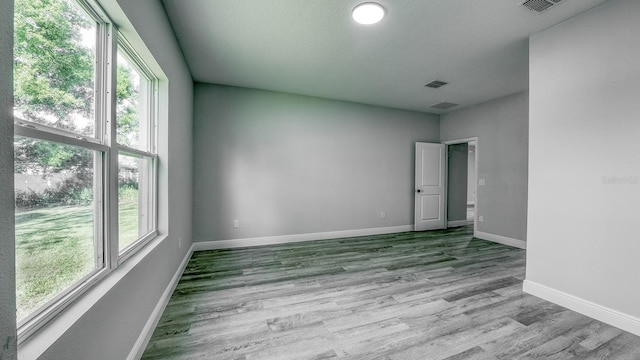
x=37, y=343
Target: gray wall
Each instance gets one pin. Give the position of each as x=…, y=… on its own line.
x=111, y=326
x=584, y=186
x=457, y=176
x=501, y=126
x=286, y=164
x=7, y=244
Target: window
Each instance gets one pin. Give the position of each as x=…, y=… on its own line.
x=85, y=186
x=55, y=65
x=135, y=133
x=57, y=237
x=135, y=210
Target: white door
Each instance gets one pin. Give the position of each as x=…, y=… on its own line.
x=430, y=188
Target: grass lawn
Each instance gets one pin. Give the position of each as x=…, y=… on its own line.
x=127, y=216
x=55, y=249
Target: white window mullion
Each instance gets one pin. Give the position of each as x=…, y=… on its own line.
x=99, y=191
x=110, y=138
x=125, y=150
x=38, y=131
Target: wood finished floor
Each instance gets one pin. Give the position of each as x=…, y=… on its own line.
x=429, y=295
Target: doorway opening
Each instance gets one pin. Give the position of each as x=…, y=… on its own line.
x=462, y=170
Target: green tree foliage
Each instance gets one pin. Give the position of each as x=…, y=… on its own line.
x=53, y=70
x=54, y=75
x=126, y=106
x=35, y=156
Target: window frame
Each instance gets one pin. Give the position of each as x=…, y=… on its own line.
x=103, y=143
x=151, y=81
x=134, y=247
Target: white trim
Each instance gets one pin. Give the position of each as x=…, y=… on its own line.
x=284, y=239
x=461, y=141
x=501, y=239
x=610, y=316
x=145, y=335
x=455, y=223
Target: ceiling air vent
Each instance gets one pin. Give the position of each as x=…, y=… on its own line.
x=444, y=105
x=539, y=5
x=435, y=84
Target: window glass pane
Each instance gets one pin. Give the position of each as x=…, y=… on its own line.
x=54, y=65
x=55, y=219
x=134, y=199
x=131, y=107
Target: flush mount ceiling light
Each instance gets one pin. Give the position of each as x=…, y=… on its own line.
x=368, y=13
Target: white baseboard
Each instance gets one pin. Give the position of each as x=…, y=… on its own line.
x=612, y=317
x=283, y=239
x=143, y=340
x=455, y=223
x=501, y=239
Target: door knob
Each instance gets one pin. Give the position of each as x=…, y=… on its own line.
x=418, y=190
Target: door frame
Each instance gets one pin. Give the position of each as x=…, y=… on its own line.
x=446, y=174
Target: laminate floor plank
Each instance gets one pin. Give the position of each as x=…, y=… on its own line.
x=416, y=295
x=472, y=353
x=513, y=346
x=459, y=341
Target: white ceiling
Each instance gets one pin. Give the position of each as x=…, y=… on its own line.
x=312, y=47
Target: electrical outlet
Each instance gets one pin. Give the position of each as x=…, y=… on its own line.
x=236, y=223
x=383, y=215
x=481, y=182
x=481, y=218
